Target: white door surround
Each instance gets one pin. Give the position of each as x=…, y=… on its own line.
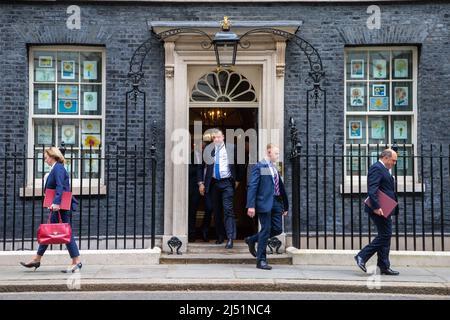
x=182, y=53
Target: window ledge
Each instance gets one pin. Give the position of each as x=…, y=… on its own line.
x=76, y=191
x=401, y=187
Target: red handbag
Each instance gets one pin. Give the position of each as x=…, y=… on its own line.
x=54, y=233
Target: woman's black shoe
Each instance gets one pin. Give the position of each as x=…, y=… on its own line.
x=34, y=265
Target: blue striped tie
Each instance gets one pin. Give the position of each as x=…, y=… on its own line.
x=276, y=179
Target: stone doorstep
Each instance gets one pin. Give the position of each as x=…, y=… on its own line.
x=346, y=258
x=238, y=248
x=228, y=285
x=222, y=258
x=92, y=257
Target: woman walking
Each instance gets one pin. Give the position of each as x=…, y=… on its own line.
x=57, y=179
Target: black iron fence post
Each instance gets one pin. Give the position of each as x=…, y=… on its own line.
x=5, y=163
x=395, y=148
x=153, y=168
x=295, y=162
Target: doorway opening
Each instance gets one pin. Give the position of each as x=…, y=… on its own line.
x=201, y=221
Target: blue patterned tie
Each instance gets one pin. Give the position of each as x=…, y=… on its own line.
x=217, y=164
x=276, y=180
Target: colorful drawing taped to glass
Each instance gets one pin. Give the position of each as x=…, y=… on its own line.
x=67, y=106
x=379, y=103
x=67, y=92
x=91, y=140
x=379, y=90
x=39, y=164
x=401, y=96
x=45, y=75
x=354, y=157
x=90, y=101
x=68, y=165
x=357, y=68
x=45, y=99
x=90, y=70
x=401, y=68
x=401, y=163
x=401, y=130
x=91, y=163
x=45, y=61
x=373, y=157
x=45, y=134
x=68, y=70
x=355, y=131
x=68, y=134
x=357, y=96
x=90, y=126
x=379, y=69
x=378, y=129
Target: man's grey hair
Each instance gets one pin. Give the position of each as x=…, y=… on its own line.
x=216, y=131
x=386, y=154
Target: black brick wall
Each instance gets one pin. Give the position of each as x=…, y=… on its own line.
x=120, y=28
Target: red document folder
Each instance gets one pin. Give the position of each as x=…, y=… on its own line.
x=386, y=203
x=66, y=199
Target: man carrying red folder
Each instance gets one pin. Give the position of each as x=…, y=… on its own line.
x=380, y=184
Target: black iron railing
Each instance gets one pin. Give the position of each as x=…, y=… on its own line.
x=117, y=197
x=338, y=221
x=115, y=189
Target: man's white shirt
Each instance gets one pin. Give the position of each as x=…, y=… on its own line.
x=47, y=174
x=223, y=162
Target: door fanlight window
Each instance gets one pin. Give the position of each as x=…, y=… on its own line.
x=223, y=86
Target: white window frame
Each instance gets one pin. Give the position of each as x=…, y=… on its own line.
x=76, y=183
x=414, y=114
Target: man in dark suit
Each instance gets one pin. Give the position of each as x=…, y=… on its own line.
x=267, y=198
x=379, y=178
x=222, y=176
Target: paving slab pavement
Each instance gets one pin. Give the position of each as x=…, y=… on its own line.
x=225, y=277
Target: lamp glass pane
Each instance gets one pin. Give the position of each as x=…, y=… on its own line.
x=225, y=52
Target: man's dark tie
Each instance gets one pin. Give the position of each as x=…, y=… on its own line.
x=276, y=179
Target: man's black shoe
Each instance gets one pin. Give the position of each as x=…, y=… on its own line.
x=219, y=241
x=251, y=246
x=390, y=272
x=229, y=244
x=263, y=265
x=360, y=262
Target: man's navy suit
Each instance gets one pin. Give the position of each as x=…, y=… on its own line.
x=379, y=178
x=222, y=190
x=269, y=208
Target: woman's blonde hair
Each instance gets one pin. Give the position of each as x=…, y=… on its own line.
x=55, y=154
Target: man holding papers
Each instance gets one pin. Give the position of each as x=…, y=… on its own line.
x=380, y=189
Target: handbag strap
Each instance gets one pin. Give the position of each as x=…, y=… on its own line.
x=59, y=216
